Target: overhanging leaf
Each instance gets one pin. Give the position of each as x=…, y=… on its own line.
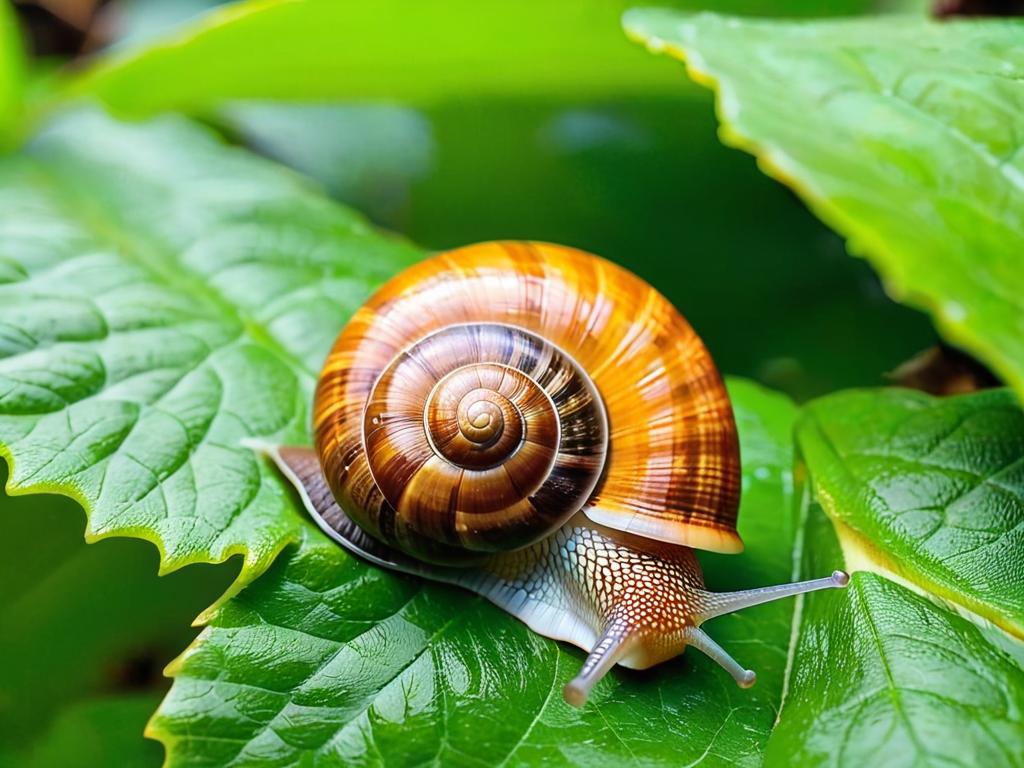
x=904, y=135
x=391, y=49
x=162, y=299
x=12, y=77
x=326, y=659
x=931, y=489
x=398, y=50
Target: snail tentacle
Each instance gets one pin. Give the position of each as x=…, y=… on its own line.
x=607, y=651
x=699, y=639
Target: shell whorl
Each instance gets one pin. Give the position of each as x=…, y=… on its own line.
x=481, y=438
x=484, y=365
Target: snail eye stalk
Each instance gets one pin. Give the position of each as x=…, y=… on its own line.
x=719, y=603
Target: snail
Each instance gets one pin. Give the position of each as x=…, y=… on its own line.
x=543, y=428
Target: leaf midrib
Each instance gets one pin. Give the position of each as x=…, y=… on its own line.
x=894, y=690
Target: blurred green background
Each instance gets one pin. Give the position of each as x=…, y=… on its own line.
x=643, y=181
x=85, y=631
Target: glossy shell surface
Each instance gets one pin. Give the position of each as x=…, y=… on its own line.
x=484, y=395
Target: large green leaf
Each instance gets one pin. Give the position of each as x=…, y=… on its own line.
x=882, y=676
x=931, y=489
x=879, y=675
x=390, y=49
x=161, y=299
x=902, y=134
x=326, y=660
x=397, y=50
x=12, y=76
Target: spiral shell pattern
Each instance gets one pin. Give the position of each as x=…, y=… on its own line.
x=481, y=438
x=513, y=384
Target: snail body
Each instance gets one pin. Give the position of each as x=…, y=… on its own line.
x=541, y=427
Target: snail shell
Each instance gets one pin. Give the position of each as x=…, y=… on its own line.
x=541, y=427
x=469, y=406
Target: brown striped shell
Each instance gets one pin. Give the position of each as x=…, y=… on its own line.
x=485, y=395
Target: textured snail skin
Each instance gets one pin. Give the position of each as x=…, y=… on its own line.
x=672, y=473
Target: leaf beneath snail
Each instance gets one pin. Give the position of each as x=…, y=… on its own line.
x=908, y=143
x=880, y=676
x=327, y=658
x=165, y=298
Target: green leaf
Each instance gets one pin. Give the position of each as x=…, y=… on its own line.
x=321, y=49
x=930, y=489
x=883, y=676
x=927, y=498
x=368, y=51
x=327, y=659
x=165, y=298
x=907, y=143
x=12, y=76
